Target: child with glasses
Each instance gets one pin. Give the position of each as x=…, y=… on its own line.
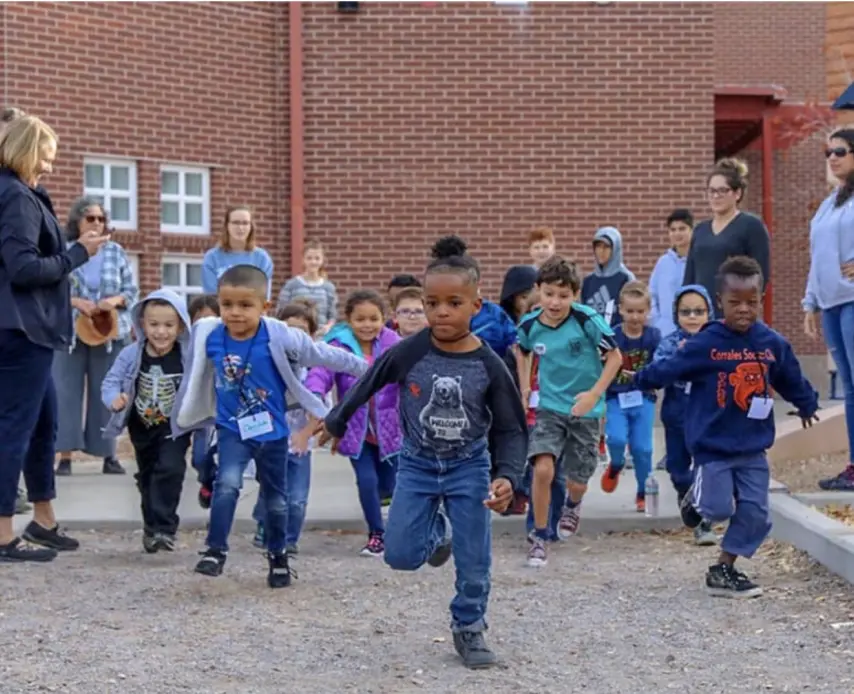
x=409, y=315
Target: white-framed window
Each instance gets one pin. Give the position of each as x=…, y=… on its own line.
x=185, y=200
x=182, y=274
x=113, y=182
x=133, y=261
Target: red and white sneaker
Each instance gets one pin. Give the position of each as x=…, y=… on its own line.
x=375, y=546
x=569, y=520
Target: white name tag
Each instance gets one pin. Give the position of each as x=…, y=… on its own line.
x=255, y=425
x=634, y=398
x=534, y=399
x=688, y=388
x=760, y=408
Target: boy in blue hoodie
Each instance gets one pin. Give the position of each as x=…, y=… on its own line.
x=732, y=366
x=601, y=288
x=666, y=277
x=140, y=389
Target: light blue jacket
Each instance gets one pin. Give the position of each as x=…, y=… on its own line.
x=218, y=260
x=664, y=283
x=831, y=246
x=290, y=348
x=121, y=378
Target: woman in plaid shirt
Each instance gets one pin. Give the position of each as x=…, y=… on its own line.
x=104, y=283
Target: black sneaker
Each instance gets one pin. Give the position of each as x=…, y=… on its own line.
x=205, y=496
x=164, y=541
x=18, y=550
x=724, y=581
x=443, y=550
x=279, y=575
x=64, y=467
x=211, y=563
x=149, y=543
x=112, y=467
x=53, y=538
x=472, y=648
x=690, y=517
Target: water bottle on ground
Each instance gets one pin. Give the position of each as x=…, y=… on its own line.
x=651, y=495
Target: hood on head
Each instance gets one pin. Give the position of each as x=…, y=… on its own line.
x=615, y=262
x=518, y=279
x=177, y=302
x=693, y=289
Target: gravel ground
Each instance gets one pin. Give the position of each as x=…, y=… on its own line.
x=803, y=475
x=634, y=619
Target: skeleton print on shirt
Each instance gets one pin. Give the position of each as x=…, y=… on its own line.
x=156, y=387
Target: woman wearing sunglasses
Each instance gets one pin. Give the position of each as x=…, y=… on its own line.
x=104, y=284
x=830, y=284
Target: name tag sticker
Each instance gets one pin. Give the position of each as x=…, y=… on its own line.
x=760, y=408
x=255, y=425
x=688, y=388
x=634, y=398
x=534, y=399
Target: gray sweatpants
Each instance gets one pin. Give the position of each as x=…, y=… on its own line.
x=82, y=415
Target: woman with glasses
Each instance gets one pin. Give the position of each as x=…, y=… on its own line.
x=830, y=284
x=236, y=247
x=104, y=284
x=730, y=232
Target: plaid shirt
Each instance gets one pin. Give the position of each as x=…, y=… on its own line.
x=116, y=279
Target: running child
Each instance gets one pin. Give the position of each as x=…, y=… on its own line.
x=140, y=389
x=601, y=288
x=630, y=413
x=372, y=439
x=732, y=366
x=408, y=311
x=240, y=370
x=692, y=309
x=571, y=341
x=453, y=389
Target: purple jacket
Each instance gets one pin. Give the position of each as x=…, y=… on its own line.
x=320, y=380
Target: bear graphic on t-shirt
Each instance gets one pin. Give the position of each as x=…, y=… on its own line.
x=443, y=419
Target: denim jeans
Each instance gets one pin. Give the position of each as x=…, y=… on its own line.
x=201, y=446
x=838, y=326
x=299, y=482
x=632, y=426
x=28, y=420
x=375, y=480
x=271, y=458
x=415, y=527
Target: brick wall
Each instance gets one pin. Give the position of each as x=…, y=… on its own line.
x=839, y=53
x=189, y=83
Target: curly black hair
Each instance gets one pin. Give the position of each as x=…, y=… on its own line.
x=450, y=254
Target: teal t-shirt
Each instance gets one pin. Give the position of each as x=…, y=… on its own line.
x=569, y=356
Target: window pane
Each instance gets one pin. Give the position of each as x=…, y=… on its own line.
x=194, y=275
x=193, y=214
x=171, y=275
x=170, y=213
x=193, y=184
x=119, y=178
x=120, y=209
x=169, y=183
x=93, y=176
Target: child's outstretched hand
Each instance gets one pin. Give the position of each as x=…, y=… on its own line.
x=584, y=402
x=500, y=495
x=807, y=422
x=324, y=437
x=120, y=402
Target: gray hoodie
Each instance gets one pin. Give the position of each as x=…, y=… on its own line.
x=601, y=289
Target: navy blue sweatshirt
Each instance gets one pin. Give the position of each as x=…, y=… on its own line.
x=34, y=265
x=637, y=353
x=727, y=370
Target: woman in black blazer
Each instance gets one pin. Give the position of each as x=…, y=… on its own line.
x=35, y=320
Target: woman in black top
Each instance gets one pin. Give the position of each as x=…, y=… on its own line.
x=729, y=232
x=35, y=320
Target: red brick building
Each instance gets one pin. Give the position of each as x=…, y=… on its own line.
x=378, y=131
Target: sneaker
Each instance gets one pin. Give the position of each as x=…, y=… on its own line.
x=442, y=552
x=640, y=503
x=21, y=503
x=538, y=555
x=258, y=540
x=610, y=479
x=293, y=549
x=205, y=496
x=472, y=648
x=211, y=563
x=53, y=538
x=149, y=543
x=724, y=581
x=165, y=541
x=704, y=536
x=569, y=520
x=64, y=467
x=375, y=546
x=279, y=575
x=385, y=502
x=843, y=482
x=690, y=517
x=18, y=550
x=112, y=467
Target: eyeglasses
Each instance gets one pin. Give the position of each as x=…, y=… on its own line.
x=93, y=218
x=718, y=192
x=838, y=152
x=688, y=312
x=410, y=312
x=240, y=223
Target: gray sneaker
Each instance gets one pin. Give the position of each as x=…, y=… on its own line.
x=537, y=555
x=292, y=549
x=472, y=648
x=704, y=536
x=442, y=552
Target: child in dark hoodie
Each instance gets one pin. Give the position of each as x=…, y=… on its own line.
x=692, y=309
x=601, y=288
x=732, y=366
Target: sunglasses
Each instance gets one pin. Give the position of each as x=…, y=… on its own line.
x=92, y=218
x=688, y=312
x=839, y=152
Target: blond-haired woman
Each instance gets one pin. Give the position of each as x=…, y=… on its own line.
x=35, y=321
x=236, y=247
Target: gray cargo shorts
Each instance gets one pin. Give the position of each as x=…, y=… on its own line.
x=572, y=441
